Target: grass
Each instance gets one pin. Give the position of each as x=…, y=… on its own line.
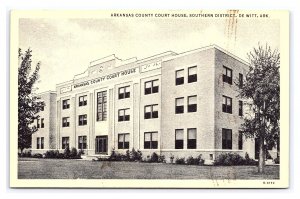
x=30, y=168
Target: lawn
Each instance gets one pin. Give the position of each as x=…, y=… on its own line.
x=30, y=168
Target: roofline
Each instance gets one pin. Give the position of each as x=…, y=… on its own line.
x=45, y=92
x=207, y=48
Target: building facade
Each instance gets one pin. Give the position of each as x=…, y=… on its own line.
x=174, y=104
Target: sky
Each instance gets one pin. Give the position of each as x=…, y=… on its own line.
x=65, y=47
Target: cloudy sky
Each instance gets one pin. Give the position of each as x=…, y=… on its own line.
x=65, y=47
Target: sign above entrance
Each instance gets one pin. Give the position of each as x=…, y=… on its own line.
x=107, y=77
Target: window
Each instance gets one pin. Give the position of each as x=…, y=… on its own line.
x=151, y=87
x=124, y=115
x=226, y=139
x=240, y=140
x=66, y=104
x=102, y=106
x=65, y=142
x=227, y=104
x=179, y=77
x=179, y=105
x=65, y=122
x=227, y=75
x=38, y=144
x=150, y=140
x=82, y=142
x=192, y=74
x=124, y=92
x=83, y=100
x=42, y=142
x=240, y=108
x=192, y=103
x=82, y=120
x=37, y=123
x=192, y=137
x=42, y=123
x=123, y=141
x=179, y=138
x=241, y=80
x=151, y=111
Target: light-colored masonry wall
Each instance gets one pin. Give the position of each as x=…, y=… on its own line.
x=48, y=132
x=226, y=120
x=203, y=119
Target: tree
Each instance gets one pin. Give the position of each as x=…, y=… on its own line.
x=28, y=104
x=262, y=93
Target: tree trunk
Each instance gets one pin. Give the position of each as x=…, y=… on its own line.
x=261, y=158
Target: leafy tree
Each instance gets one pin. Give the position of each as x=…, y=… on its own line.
x=28, y=104
x=262, y=91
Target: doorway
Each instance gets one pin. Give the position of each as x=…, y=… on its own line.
x=101, y=144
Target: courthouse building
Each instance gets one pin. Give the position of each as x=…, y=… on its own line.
x=173, y=104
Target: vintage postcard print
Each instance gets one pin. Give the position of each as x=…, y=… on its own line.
x=149, y=99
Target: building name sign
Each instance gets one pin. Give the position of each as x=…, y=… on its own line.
x=107, y=77
x=151, y=66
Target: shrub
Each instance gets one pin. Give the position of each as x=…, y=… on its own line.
x=180, y=161
x=162, y=159
x=230, y=159
x=80, y=152
x=154, y=157
x=277, y=160
x=26, y=154
x=67, y=153
x=135, y=155
x=171, y=158
x=37, y=155
x=52, y=154
x=73, y=153
x=249, y=161
x=195, y=161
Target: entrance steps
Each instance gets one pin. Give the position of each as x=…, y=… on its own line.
x=94, y=157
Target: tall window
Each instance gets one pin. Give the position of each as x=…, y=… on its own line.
x=65, y=122
x=241, y=80
x=179, y=77
x=102, y=106
x=82, y=142
x=42, y=123
x=227, y=75
x=124, y=115
x=37, y=123
x=65, y=142
x=42, y=142
x=240, y=140
x=179, y=105
x=83, y=100
x=192, y=138
x=227, y=104
x=124, y=92
x=150, y=140
x=38, y=142
x=192, y=103
x=151, y=87
x=151, y=111
x=192, y=76
x=240, y=108
x=82, y=120
x=226, y=139
x=123, y=141
x=66, y=104
x=179, y=136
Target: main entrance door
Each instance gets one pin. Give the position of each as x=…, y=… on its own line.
x=101, y=144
